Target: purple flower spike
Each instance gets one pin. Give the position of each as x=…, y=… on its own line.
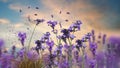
x=75, y=26
x=50, y=44
x=93, y=47
x=45, y=37
x=21, y=53
x=66, y=33
x=38, y=21
x=6, y=61
x=104, y=39
x=22, y=37
x=92, y=63
x=38, y=45
x=79, y=42
x=93, y=35
x=114, y=40
x=52, y=24
x=1, y=43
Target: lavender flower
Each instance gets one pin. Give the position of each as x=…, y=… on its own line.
x=58, y=50
x=6, y=61
x=22, y=37
x=21, y=53
x=93, y=47
x=79, y=42
x=52, y=24
x=1, y=45
x=65, y=32
x=92, y=63
x=38, y=45
x=38, y=21
x=63, y=64
x=93, y=35
x=104, y=39
x=45, y=37
x=75, y=26
x=50, y=44
x=76, y=56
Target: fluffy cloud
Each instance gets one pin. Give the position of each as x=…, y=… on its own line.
x=4, y=21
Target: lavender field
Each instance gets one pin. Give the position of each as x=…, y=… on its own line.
x=59, y=34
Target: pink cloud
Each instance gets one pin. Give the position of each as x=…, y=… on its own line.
x=4, y=21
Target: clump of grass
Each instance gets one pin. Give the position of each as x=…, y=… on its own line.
x=27, y=63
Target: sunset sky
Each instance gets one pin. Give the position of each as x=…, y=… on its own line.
x=100, y=15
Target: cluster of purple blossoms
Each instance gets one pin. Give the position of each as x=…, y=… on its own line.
x=52, y=24
x=75, y=26
x=22, y=37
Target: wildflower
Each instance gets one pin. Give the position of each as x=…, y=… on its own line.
x=92, y=63
x=114, y=40
x=6, y=60
x=79, y=42
x=66, y=33
x=1, y=45
x=45, y=37
x=88, y=36
x=75, y=26
x=63, y=64
x=50, y=44
x=52, y=24
x=58, y=50
x=93, y=35
x=21, y=53
x=104, y=39
x=22, y=37
x=76, y=56
x=39, y=45
x=38, y=21
x=93, y=47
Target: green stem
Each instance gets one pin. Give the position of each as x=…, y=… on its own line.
x=82, y=53
x=70, y=56
x=31, y=37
